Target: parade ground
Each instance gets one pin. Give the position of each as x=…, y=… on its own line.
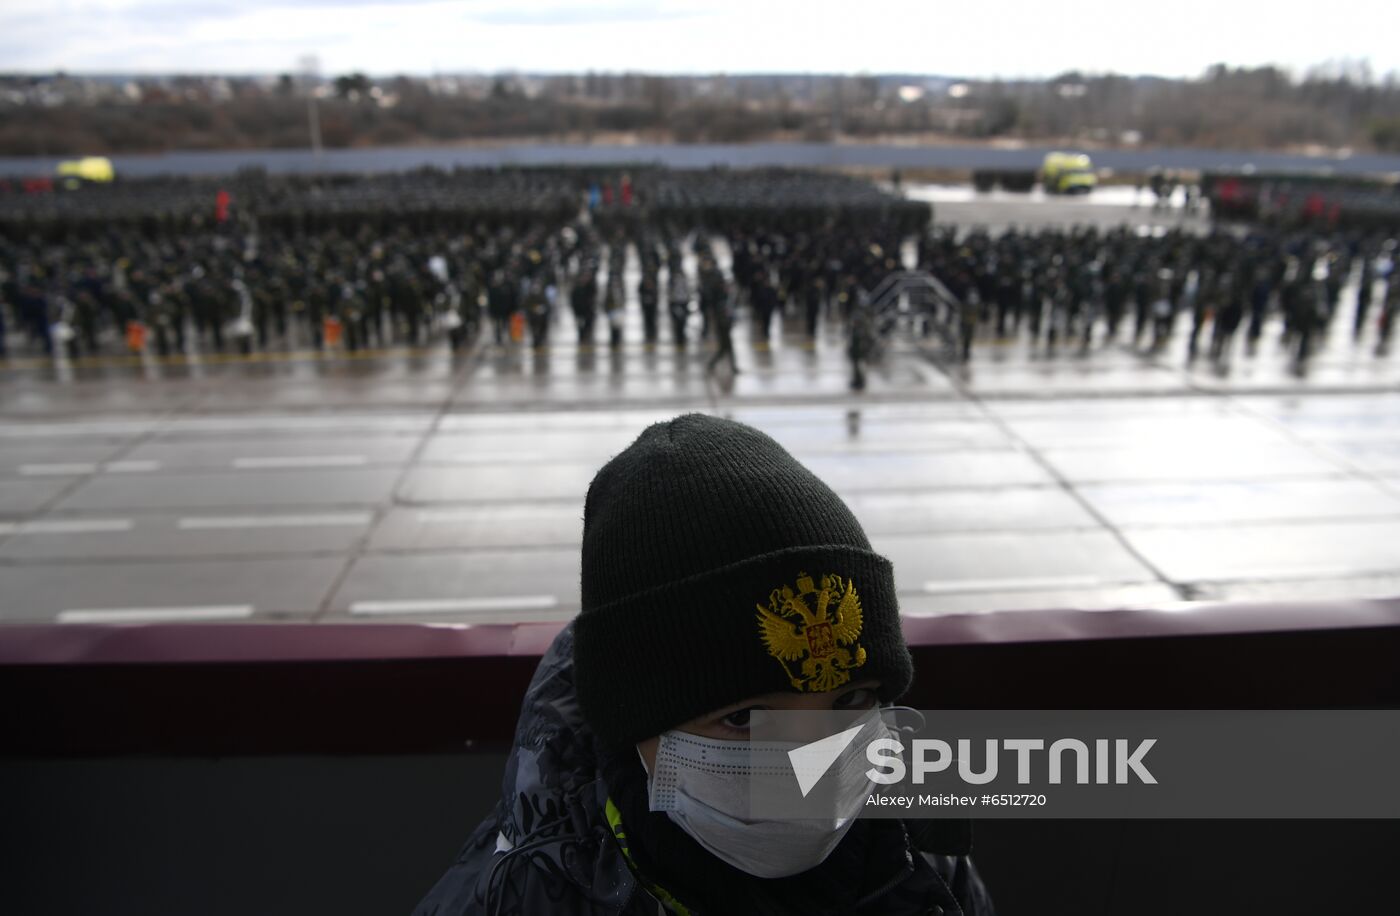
x=425, y=485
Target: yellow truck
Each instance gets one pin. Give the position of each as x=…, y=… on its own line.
x=1067, y=173
x=93, y=169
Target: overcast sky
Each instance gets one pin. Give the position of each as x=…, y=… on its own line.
x=965, y=38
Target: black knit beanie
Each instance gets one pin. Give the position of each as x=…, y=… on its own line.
x=715, y=568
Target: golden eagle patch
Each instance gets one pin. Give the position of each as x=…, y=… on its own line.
x=816, y=627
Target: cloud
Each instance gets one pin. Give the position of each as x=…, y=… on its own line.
x=1010, y=38
x=560, y=15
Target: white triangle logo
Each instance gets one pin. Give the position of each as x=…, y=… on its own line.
x=811, y=761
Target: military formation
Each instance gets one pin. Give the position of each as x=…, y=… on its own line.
x=255, y=263
x=1083, y=288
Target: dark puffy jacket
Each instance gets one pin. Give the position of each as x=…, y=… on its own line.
x=549, y=847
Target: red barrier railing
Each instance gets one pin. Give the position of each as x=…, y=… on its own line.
x=367, y=688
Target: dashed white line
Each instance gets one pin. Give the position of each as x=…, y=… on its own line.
x=447, y=516
x=525, y=512
x=300, y=461
x=72, y=430
x=230, y=522
x=505, y=457
x=956, y=586
x=457, y=605
x=155, y=614
x=76, y=468
x=131, y=467
x=1294, y=573
x=68, y=469
x=66, y=526
x=403, y=423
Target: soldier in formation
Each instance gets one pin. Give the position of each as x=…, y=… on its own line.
x=398, y=260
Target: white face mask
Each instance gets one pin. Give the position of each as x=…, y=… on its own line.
x=703, y=785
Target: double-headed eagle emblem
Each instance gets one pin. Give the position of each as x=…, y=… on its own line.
x=817, y=627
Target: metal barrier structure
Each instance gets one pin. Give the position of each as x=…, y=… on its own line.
x=294, y=688
x=918, y=304
x=335, y=768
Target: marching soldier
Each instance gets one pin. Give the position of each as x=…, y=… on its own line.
x=723, y=311
x=648, y=295
x=862, y=342
x=678, y=300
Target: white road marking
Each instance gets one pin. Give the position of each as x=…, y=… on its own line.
x=447, y=516
x=66, y=526
x=407, y=422
x=1293, y=573
x=450, y=605
x=300, y=461
x=206, y=523
x=506, y=457
x=131, y=467
x=73, y=468
x=71, y=430
x=155, y=614
x=523, y=511
x=956, y=586
x=59, y=469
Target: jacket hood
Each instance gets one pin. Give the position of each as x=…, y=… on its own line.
x=546, y=848
x=552, y=793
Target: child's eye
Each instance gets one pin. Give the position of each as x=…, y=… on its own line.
x=856, y=699
x=738, y=719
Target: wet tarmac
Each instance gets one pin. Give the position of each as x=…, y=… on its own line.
x=419, y=485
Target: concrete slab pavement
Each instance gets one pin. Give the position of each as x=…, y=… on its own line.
x=422, y=485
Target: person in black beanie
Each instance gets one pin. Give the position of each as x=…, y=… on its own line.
x=719, y=576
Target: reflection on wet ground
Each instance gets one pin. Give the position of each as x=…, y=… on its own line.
x=423, y=485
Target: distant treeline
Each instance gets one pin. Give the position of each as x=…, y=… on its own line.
x=1261, y=108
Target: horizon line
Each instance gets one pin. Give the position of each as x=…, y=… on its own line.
x=1295, y=74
